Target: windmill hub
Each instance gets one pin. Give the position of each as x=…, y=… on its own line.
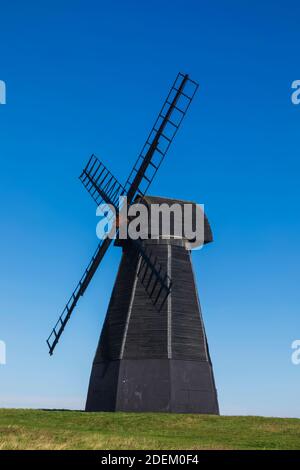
x=152, y=353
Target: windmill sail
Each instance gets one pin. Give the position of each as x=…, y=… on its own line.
x=60, y=325
x=161, y=136
x=100, y=183
x=103, y=186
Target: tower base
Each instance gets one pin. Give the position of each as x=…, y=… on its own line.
x=152, y=385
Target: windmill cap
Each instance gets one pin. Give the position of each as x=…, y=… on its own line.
x=173, y=218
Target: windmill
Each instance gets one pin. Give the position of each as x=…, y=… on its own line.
x=152, y=353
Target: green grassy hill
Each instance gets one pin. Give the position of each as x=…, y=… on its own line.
x=37, y=429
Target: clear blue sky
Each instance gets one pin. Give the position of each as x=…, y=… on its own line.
x=90, y=76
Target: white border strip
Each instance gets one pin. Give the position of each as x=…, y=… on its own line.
x=199, y=306
x=169, y=270
x=130, y=309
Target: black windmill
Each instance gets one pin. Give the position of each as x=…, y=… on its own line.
x=152, y=353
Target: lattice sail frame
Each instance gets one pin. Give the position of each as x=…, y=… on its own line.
x=102, y=185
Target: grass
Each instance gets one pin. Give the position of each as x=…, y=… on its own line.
x=38, y=429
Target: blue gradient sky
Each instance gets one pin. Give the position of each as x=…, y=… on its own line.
x=90, y=76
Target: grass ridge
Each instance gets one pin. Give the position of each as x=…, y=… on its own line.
x=45, y=429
